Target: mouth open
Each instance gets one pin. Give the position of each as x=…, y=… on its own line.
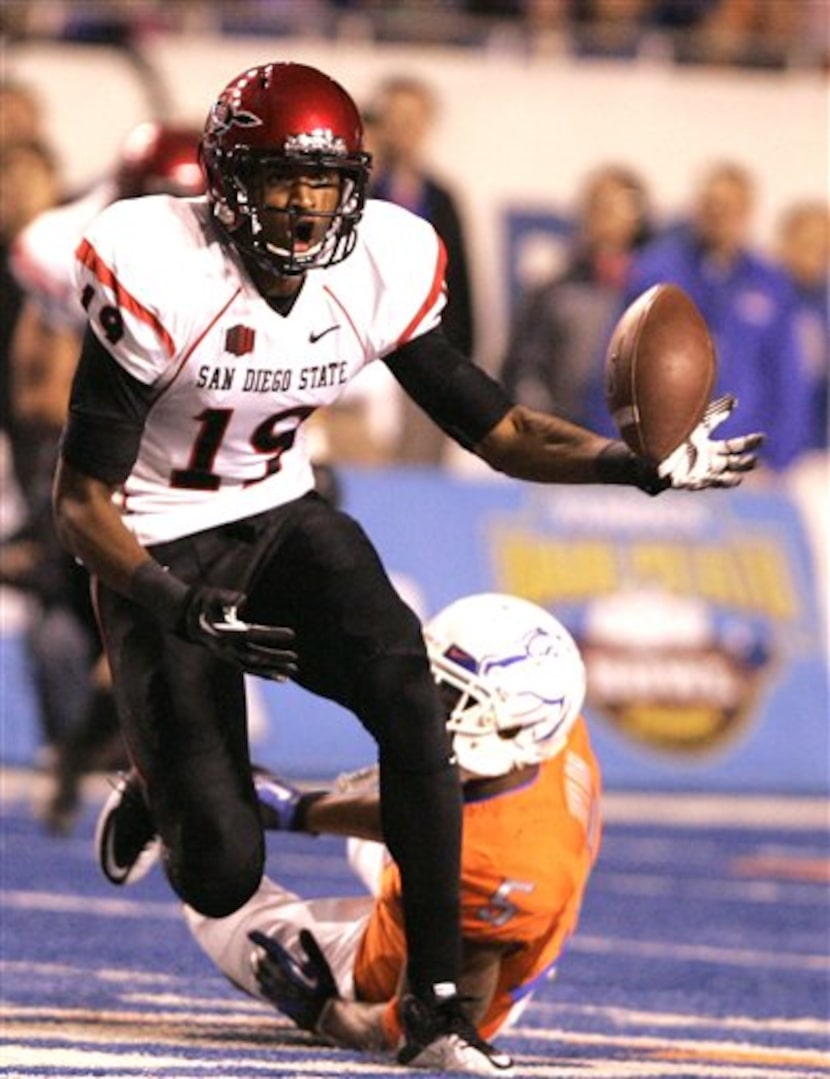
x=303, y=233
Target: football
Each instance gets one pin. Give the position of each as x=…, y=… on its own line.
x=660, y=369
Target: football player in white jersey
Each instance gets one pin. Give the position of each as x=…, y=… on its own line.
x=216, y=327
x=153, y=158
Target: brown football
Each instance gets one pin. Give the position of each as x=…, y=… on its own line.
x=660, y=369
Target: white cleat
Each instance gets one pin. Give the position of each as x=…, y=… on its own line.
x=440, y=1037
x=126, y=843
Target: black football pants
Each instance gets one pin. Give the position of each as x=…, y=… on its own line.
x=311, y=567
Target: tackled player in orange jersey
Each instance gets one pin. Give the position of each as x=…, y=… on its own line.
x=514, y=684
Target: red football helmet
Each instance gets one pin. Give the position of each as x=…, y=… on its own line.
x=284, y=114
x=160, y=159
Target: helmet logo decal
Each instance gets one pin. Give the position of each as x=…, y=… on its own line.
x=224, y=115
x=537, y=645
x=321, y=140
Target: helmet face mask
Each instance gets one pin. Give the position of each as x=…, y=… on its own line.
x=512, y=677
x=289, y=119
x=292, y=238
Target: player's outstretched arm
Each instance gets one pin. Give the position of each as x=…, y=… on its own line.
x=544, y=448
x=534, y=446
x=349, y=809
x=356, y=815
x=475, y=410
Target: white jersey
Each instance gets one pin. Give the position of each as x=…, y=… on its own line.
x=43, y=257
x=234, y=379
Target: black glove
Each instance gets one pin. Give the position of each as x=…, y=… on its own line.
x=299, y=990
x=208, y=616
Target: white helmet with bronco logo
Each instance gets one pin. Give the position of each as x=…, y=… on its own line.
x=513, y=678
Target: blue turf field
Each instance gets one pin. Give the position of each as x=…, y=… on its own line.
x=703, y=952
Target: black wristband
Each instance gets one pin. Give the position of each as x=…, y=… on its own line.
x=162, y=593
x=617, y=464
x=304, y=804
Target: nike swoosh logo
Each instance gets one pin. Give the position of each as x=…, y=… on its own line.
x=313, y=338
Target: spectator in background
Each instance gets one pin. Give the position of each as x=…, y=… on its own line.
x=21, y=113
x=748, y=303
x=803, y=249
x=610, y=29
x=561, y=327
x=747, y=33
x=80, y=730
x=29, y=184
x=401, y=116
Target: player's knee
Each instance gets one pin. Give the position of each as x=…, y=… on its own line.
x=217, y=876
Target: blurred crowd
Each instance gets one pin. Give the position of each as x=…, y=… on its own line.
x=756, y=33
x=42, y=325
x=768, y=310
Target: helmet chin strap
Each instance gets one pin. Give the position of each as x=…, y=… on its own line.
x=477, y=786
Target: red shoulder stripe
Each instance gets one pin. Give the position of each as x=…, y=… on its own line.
x=435, y=289
x=87, y=254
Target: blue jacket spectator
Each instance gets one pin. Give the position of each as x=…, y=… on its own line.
x=803, y=249
x=560, y=324
x=749, y=305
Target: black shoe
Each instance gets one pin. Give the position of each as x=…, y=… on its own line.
x=439, y=1036
x=125, y=836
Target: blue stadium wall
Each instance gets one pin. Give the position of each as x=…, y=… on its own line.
x=700, y=618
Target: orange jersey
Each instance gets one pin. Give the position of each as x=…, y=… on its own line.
x=526, y=857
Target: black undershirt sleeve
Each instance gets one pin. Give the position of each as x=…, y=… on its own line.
x=462, y=399
x=107, y=410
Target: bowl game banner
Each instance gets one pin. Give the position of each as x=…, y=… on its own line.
x=697, y=614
